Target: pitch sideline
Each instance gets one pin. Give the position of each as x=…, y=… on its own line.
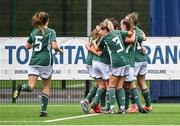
x=73, y=117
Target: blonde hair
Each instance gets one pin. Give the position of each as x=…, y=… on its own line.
x=95, y=35
x=107, y=24
x=134, y=17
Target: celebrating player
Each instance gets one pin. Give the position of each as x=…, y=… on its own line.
x=141, y=63
x=41, y=40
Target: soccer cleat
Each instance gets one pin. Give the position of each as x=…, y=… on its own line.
x=148, y=108
x=103, y=109
x=84, y=106
x=120, y=111
x=133, y=109
x=97, y=108
x=143, y=110
x=111, y=111
x=17, y=92
x=43, y=114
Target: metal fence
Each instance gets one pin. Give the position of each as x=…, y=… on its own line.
x=61, y=92
x=67, y=17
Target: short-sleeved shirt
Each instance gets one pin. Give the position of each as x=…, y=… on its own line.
x=90, y=55
x=130, y=52
x=139, y=55
x=104, y=57
x=41, y=44
x=115, y=46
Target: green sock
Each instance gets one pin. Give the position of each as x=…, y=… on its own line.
x=91, y=94
x=120, y=96
x=107, y=100
x=136, y=96
x=103, y=99
x=44, y=102
x=26, y=87
x=112, y=97
x=132, y=99
x=146, y=95
x=98, y=95
x=127, y=97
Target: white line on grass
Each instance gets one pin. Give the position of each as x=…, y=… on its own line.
x=73, y=117
x=18, y=121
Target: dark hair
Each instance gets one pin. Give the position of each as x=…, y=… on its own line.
x=128, y=23
x=39, y=19
x=115, y=23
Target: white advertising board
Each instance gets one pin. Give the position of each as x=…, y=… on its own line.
x=163, y=54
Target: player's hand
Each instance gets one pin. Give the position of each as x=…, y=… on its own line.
x=61, y=51
x=99, y=53
x=144, y=50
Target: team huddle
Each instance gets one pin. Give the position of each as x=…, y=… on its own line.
x=116, y=58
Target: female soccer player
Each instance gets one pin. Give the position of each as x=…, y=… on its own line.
x=141, y=63
x=127, y=24
x=101, y=68
x=84, y=103
x=41, y=40
x=119, y=61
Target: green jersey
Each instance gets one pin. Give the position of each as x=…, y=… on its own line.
x=104, y=57
x=139, y=55
x=90, y=55
x=130, y=49
x=41, y=44
x=114, y=43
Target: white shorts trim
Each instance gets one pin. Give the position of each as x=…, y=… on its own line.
x=130, y=77
x=118, y=71
x=90, y=70
x=101, y=70
x=140, y=68
x=43, y=72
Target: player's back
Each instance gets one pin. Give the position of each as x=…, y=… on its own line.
x=115, y=45
x=41, y=42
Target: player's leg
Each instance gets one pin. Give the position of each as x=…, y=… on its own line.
x=105, y=75
x=45, y=96
x=136, y=96
x=127, y=91
x=99, y=94
x=145, y=92
x=120, y=95
x=113, y=80
x=129, y=81
x=94, y=70
x=45, y=75
x=33, y=74
x=107, y=96
x=102, y=99
x=84, y=103
x=140, y=72
x=93, y=89
x=26, y=87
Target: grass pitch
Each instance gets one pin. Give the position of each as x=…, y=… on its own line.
x=13, y=114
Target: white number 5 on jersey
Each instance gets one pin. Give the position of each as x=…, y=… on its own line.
x=38, y=43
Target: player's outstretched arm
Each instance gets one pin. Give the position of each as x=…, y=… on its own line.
x=55, y=46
